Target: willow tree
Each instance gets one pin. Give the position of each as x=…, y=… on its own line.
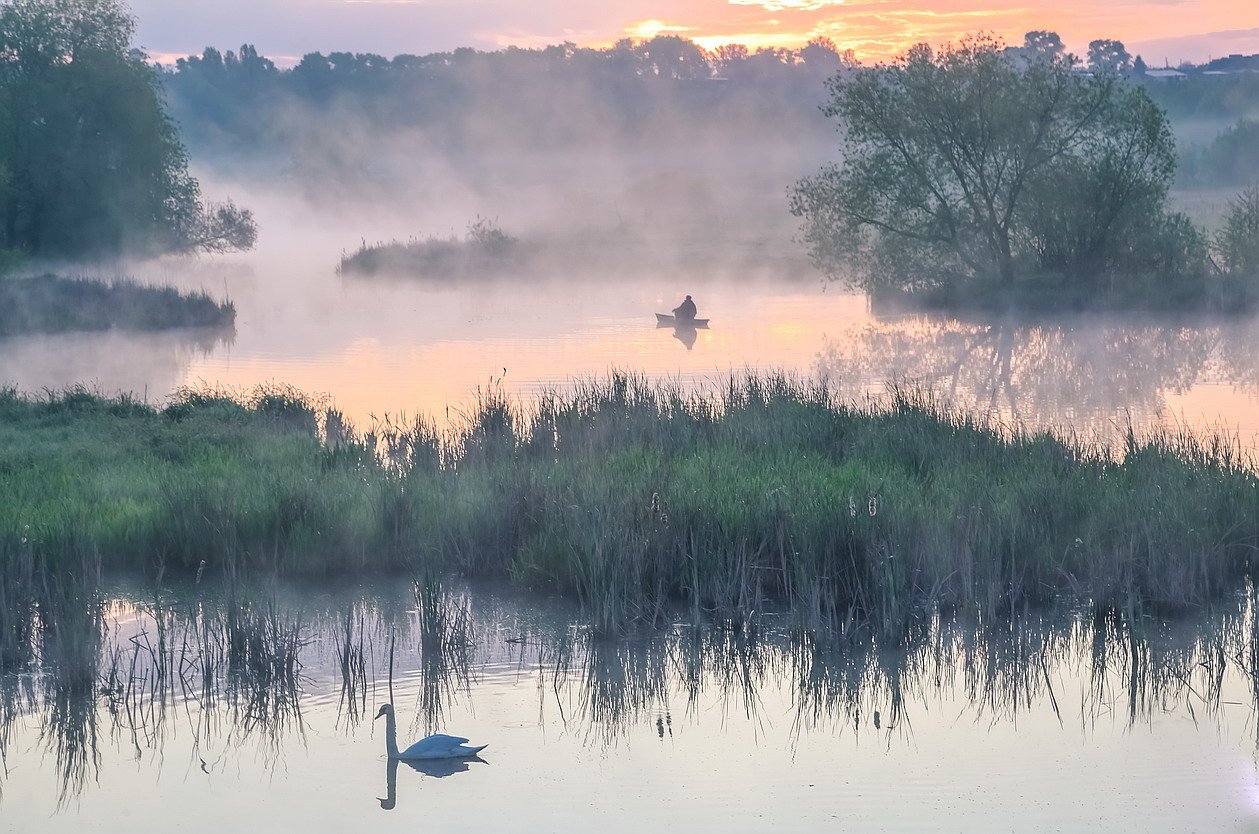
x=955, y=162
x=90, y=162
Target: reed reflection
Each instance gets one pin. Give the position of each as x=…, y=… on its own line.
x=238, y=669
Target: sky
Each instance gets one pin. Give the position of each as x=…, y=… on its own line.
x=1163, y=31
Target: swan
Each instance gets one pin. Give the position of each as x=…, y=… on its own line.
x=438, y=746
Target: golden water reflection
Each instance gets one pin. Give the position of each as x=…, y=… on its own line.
x=409, y=348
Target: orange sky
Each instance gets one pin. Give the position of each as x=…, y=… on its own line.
x=875, y=29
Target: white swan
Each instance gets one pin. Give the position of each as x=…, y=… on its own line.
x=438, y=746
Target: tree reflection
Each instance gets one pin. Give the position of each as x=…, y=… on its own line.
x=1087, y=374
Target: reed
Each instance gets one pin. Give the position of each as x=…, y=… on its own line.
x=638, y=499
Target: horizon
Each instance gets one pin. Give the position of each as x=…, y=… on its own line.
x=1164, y=32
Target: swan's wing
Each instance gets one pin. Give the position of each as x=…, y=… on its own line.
x=435, y=745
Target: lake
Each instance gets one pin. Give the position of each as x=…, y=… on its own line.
x=198, y=719
x=407, y=347
x=200, y=714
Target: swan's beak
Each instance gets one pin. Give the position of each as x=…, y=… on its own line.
x=379, y=714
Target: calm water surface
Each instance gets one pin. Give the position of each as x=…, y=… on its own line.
x=1046, y=724
x=402, y=347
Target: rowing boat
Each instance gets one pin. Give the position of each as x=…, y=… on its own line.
x=663, y=320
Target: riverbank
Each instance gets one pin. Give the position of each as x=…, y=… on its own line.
x=632, y=498
x=55, y=304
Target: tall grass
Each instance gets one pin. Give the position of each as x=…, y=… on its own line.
x=638, y=500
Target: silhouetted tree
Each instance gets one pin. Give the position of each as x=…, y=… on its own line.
x=965, y=163
x=1107, y=55
x=92, y=162
x=1043, y=44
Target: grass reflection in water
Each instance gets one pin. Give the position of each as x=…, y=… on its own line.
x=236, y=668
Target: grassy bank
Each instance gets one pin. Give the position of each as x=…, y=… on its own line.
x=635, y=498
x=53, y=304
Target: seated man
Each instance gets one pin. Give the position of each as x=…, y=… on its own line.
x=685, y=311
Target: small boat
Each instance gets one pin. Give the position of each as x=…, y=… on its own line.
x=663, y=320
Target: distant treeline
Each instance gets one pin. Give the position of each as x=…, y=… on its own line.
x=529, y=98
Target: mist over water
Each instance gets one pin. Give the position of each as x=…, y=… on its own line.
x=172, y=704
x=401, y=345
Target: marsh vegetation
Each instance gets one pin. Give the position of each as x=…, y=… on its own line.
x=54, y=304
x=639, y=500
x=484, y=250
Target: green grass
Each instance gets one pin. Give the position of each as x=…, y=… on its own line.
x=54, y=304
x=637, y=499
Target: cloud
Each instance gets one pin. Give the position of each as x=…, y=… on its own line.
x=788, y=5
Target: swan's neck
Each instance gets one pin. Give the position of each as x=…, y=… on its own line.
x=391, y=736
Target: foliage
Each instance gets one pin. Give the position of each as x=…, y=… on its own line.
x=89, y=162
x=1238, y=241
x=220, y=227
x=1231, y=157
x=979, y=164
x=1108, y=56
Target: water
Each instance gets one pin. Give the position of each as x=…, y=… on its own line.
x=1050, y=723
x=409, y=348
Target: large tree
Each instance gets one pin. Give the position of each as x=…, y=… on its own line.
x=91, y=162
x=968, y=162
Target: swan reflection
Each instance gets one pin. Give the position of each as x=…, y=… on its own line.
x=435, y=768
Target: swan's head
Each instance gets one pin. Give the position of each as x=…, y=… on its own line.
x=385, y=709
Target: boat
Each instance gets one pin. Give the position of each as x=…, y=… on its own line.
x=664, y=320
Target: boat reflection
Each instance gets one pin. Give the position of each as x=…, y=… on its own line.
x=685, y=331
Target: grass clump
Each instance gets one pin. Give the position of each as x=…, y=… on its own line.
x=637, y=499
x=485, y=249
x=55, y=304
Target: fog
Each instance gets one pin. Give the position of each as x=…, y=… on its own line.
x=625, y=198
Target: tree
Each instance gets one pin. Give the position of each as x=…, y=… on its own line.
x=1237, y=243
x=964, y=164
x=95, y=165
x=1109, y=56
x=1043, y=45
x=1138, y=66
x=670, y=56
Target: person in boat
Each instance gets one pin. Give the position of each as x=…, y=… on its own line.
x=685, y=311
